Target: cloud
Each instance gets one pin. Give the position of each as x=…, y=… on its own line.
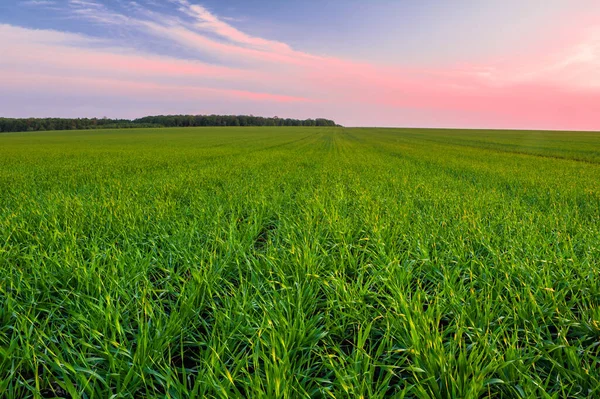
x=198, y=35
x=85, y=3
x=206, y=21
x=132, y=89
x=38, y=3
x=15, y=35
x=45, y=60
x=96, y=12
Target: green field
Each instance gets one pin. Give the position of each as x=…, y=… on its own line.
x=299, y=262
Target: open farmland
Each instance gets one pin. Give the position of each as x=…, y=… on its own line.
x=299, y=262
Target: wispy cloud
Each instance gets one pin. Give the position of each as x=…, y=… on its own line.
x=207, y=21
x=86, y=3
x=49, y=59
x=38, y=3
x=200, y=35
x=135, y=89
x=97, y=12
x=232, y=19
x=15, y=36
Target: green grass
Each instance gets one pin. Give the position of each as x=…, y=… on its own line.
x=300, y=262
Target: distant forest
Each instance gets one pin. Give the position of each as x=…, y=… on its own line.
x=41, y=124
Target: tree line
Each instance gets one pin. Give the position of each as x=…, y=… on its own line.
x=41, y=124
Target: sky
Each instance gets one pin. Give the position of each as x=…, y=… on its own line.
x=508, y=64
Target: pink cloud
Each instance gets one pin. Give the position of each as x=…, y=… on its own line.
x=107, y=62
x=226, y=51
x=207, y=21
x=16, y=80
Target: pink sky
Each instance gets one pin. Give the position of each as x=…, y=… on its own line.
x=554, y=85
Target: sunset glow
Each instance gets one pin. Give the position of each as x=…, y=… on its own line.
x=129, y=59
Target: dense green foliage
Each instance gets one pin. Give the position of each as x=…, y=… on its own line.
x=43, y=124
x=299, y=262
x=229, y=120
